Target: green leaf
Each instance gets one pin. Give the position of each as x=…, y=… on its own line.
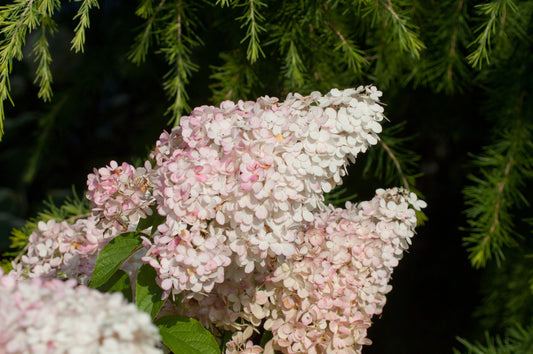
x=153, y=220
x=147, y=292
x=119, y=282
x=185, y=335
x=267, y=335
x=113, y=255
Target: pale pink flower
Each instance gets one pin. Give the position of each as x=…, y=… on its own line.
x=53, y=316
x=121, y=195
x=57, y=249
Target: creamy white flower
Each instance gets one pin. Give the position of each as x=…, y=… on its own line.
x=53, y=316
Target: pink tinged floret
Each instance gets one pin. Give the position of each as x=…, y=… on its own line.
x=261, y=212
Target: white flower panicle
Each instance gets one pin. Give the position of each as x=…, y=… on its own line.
x=236, y=182
x=322, y=300
x=57, y=317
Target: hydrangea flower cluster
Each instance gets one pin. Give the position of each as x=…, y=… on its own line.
x=247, y=240
x=121, y=195
x=236, y=182
x=57, y=317
x=61, y=249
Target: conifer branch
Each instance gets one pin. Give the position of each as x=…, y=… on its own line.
x=453, y=52
x=444, y=67
x=293, y=67
x=404, y=31
x=234, y=79
x=393, y=161
x=224, y=2
x=505, y=166
x=517, y=339
x=142, y=42
x=78, y=41
x=41, y=51
x=18, y=19
x=177, y=51
x=177, y=79
x=252, y=19
x=353, y=56
x=146, y=8
x=496, y=13
x=289, y=35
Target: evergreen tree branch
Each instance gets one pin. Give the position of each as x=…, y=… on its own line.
x=177, y=51
x=234, y=79
x=17, y=20
x=505, y=167
x=252, y=19
x=394, y=41
x=146, y=8
x=506, y=291
x=41, y=50
x=517, y=340
x=83, y=15
x=503, y=19
x=446, y=69
x=455, y=65
x=142, y=42
x=392, y=159
x=403, y=30
x=293, y=67
x=353, y=56
x=223, y=3
x=289, y=37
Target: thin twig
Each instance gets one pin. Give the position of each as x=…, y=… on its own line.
x=396, y=163
x=21, y=253
x=501, y=186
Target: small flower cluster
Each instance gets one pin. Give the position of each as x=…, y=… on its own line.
x=121, y=195
x=61, y=249
x=240, y=344
x=53, y=316
x=236, y=182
